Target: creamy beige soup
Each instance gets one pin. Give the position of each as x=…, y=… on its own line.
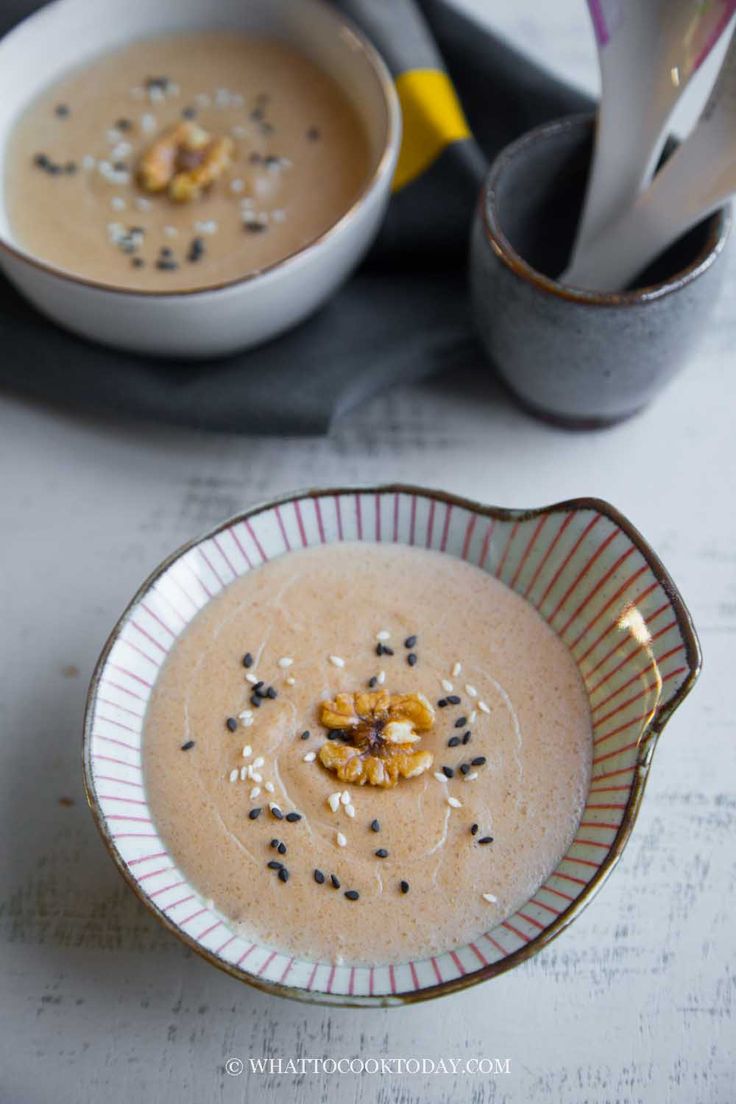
x=491, y=731
x=296, y=158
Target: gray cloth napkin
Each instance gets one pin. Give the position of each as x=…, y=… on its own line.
x=403, y=316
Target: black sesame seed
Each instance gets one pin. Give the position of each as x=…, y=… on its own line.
x=454, y=699
x=313, y=134
x=62, y=111
x=258, y=687
x=404, y=886
x=166, y=251
x=188, y=745
x=255, y=813
x=373, y=682
x=319, y=877
x=276, y=812
x=189, y=113
x=247, y=660
x=479, y=761
x=442, y=703
x=120, y=166
x=231, y=723
x=255, y=700
x=41, y=160
x=473, y=829
x=196, y=250
x=379, y=649
x=461, y=722
x=70, y=168
x=254, y=227
x=411, y=659
x=272, y=693
x=375, y=826
x=293, y=817
x=254, y=158
x=275, y=842
x=123, y=124
x=137, y=262
x=352, y=894
x=335, y=881
x=448, y=772
x=283, y=874
x=387, y=651
x=166, y=265
x=467, y=737
x=305, y=735
x=464, y=768
x=274, y=864
x=453, y=741
x=410, y=641
x=381, y=853
x=281, y=849
x=486, y=839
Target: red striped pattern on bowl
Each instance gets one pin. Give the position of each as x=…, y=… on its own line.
x=582, y=566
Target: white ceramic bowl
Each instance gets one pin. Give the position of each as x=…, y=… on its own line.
x=244, y=312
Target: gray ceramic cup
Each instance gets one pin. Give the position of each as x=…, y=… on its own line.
x=582, y=359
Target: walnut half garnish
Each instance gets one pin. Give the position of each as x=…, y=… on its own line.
x=184, y=160
x=378, y=737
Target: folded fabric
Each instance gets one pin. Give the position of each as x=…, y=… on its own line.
x=404, y=315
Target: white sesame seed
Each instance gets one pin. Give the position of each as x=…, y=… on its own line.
x=290, y=681
x=143, y=204
x=248, y=722
x=337, y=661
x=470, y=690
x=258, y=762
x=350, y=810
x=345, y=797
x=156, y=94
x=114, y=135
x=490, y=898
x=471, y=777
x=202, y=99
x=279, y=215
x=117, y=203
x=245, y=714
x=243, y=773
x=247, y=751
x=148, y=123
x=206, y=226
x=447, y=686
x=88, y=161
x=171, y=232
x=456, y=669
x=256, y=776
x=269, y=788
x=239, y=132
x=121, y=151
x=254, y=793
x=384, y=634
x=310, y=757
x=234, y=775
x=285, y=661
x=252, y=679
x=381, y=678
x=473, y=716
x=454, y=803
x=440, y=776
x=334, y=801
x=483, y=707
x=237, y=185
x=340, y=840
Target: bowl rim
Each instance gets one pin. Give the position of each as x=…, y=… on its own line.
x=719, y=227
x=383, y=166
x=693, y=657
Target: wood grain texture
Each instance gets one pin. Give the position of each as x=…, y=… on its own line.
x=633, y=1004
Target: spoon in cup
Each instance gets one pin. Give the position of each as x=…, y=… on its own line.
x=648, y=52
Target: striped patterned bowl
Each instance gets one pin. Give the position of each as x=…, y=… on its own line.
x=580, y=563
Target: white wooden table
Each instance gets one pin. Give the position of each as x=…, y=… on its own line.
x=97, y=1003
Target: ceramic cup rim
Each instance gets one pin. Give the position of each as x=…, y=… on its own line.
x=719, y=227
x=639, y=778
x=371, y=186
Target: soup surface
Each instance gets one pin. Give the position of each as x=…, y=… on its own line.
x=286, y=151
x=266, y=796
